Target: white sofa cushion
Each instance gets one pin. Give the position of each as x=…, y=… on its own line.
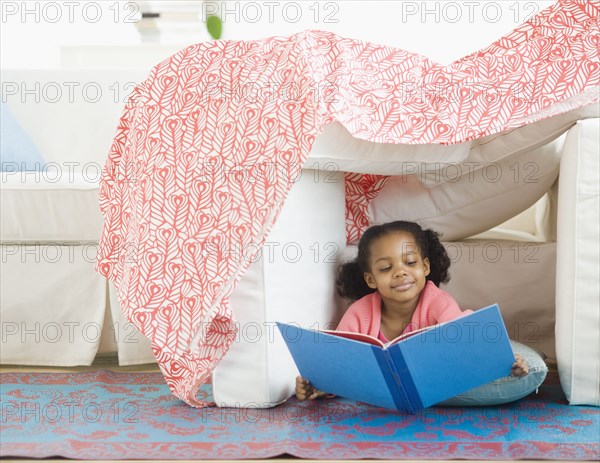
x=54, y=206
x=517, y=275
x=474, y=198
x=336, y=149
x=292, y=282
x=578, y=274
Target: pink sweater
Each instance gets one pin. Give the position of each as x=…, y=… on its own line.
x=435, y=306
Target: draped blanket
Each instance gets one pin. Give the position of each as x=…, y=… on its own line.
x=210, y=144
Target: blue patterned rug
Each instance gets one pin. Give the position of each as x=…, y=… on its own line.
x=109, y=415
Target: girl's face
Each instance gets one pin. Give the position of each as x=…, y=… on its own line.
x=398, y=270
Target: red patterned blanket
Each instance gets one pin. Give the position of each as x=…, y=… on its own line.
x=209, y=146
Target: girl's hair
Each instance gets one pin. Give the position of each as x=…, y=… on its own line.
x=350, y=280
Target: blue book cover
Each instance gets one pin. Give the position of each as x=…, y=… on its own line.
x=411, y=372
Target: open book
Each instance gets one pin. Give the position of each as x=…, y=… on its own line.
x=371, y=340
x=411, y=372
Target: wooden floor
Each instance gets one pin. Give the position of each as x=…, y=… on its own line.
x=110, y=363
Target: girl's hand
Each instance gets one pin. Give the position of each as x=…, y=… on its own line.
x=305, y=391
x=520, y=367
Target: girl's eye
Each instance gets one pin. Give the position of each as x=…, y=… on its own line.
x=386, y=269
x=411, y=263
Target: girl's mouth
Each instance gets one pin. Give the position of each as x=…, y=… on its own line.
x=403, y=286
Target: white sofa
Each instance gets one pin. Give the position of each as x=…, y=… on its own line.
x=518, y=211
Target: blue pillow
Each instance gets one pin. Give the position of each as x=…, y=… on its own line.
x=508, y=388
x=17, y=151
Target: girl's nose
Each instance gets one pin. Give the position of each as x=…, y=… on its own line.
x=399, y=271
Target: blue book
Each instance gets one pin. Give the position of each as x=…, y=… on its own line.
x=411, y=372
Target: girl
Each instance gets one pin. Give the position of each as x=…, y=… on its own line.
x=394, y=282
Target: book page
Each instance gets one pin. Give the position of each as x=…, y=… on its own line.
x=404, y=336
x=376, y=342
x=357, y=337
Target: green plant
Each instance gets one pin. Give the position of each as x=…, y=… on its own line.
x=214, y=26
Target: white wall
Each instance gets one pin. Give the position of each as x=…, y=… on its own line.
x=33, y=31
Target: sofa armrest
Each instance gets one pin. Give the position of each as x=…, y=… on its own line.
x=577, y=272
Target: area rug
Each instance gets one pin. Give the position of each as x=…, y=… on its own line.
x=110, y=415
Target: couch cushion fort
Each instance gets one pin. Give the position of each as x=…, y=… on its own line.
x=57, y=299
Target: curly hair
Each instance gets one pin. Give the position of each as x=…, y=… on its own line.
x=350, y=280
